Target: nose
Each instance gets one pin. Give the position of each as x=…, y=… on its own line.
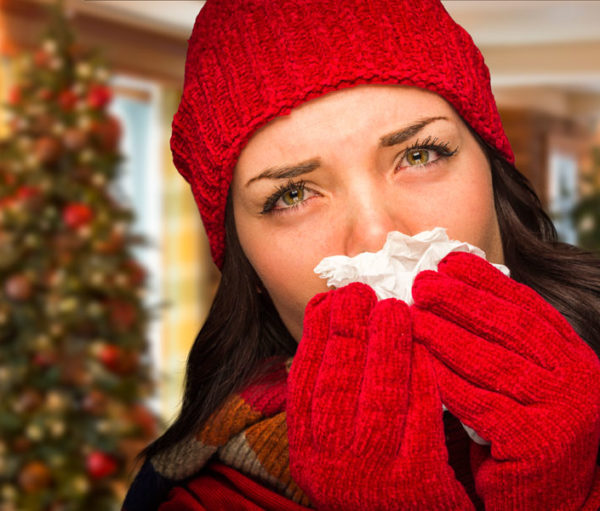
x=370, y=217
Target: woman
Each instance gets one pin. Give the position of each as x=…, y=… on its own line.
x=313, y=128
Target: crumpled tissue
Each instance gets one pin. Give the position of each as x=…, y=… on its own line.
x=392, y=270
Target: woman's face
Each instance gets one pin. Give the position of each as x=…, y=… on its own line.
x=343, y=170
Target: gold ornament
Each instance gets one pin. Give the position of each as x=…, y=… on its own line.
x=50, y=46
x=80, y=485
x=9, y=493
x=34, y=477
x=83, y=70
x=97, y=278
x=98, y=179
x=56, y=428
x=34, y=432
x=42, y=342
x=56, y=401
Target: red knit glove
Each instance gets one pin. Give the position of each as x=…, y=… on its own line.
x=511, y=367
x=364, y=416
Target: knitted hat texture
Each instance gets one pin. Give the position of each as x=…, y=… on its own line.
x=249, y=61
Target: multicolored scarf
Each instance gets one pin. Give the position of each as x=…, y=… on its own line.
x=248, y=433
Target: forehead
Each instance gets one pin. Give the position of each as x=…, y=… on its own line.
x=342, y=114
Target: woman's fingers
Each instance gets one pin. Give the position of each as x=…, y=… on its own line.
x=479, y=273
x=340, y=375
x=484, y=364
x=492, y=318
x=384, y=389
x=496, y=417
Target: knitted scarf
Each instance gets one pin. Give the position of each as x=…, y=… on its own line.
x=248, y=433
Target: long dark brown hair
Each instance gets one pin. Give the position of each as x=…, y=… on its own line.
x=243, y=329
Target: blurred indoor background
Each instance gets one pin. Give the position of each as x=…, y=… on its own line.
x=544, y=59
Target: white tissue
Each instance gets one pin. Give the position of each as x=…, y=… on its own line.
x=392, y=270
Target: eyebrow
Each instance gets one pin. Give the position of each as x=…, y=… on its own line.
x=404, y=134
x=288, y=171
x=396, y=137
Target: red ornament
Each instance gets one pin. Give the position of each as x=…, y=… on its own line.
x=107, y=133
x=123, y=315
x=99, y=96
x=144, y=419
x=137, y=274
x=47, y=149
x=44, y=359
x=41, y=58
x=44, y=94
x=18, y=287
x=14, y=95
x=95, y=402
x=110, y=355
x=74, y=139
x=111, y=245
x=77, y=214
x=100, y=464
x=67, y=99
x=117, y=360
x=28, y=192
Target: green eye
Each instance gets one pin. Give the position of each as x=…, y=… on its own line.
x=292, y=196
x=418, y=157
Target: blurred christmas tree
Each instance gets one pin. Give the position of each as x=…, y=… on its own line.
x=73, y=369
x=586, y=213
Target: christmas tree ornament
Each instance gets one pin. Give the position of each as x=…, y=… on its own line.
x=8, y=493
x=34, y=477
x=100, y=464
x=98, y=179
x=50, y=46
x=95, y=402
x=74, y=139
x=34, y=432
x=83, y=70
x=29, y=400
x=75, y=215
x=18, y=287
x=41, y=58
x=14, y=95
x=137, y=274
x=31, y=240
x=42, y=342
x=80, y=485
x=107, y=133
x=99, y=96
x=56, y=401
x=56, y=428
x=21, y=444
x=123, y=314
x=67, y=100
x=47, y=149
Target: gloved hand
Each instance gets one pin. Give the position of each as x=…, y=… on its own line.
x=510, y=366
x=364, y=416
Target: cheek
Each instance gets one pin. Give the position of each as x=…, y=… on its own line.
x=471, y=215
x=284, y=261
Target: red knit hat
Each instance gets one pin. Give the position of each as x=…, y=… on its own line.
x=249, y=61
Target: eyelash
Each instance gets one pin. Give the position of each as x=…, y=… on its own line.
x=430, y=143
x=281, y=190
